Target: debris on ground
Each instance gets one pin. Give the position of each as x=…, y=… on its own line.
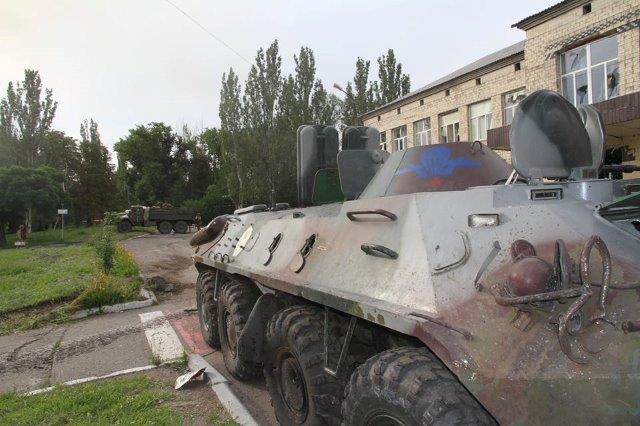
x=186, y=378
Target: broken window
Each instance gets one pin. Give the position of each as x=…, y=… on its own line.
x=590, y=73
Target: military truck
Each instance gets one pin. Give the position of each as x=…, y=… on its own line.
x=165, y=219
x=442, y=286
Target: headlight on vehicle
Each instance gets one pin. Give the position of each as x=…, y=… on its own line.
x=481, y=220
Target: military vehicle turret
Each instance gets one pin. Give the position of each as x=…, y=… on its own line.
x=437, y=285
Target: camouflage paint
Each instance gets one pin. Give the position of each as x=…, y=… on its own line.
x=514, y=366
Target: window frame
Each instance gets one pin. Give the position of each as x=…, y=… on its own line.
x=383, y=140
x=417, y=136
x=511, y=107
x=455, y=127
x=588, y=69
x=399, y=142
x=487, y=122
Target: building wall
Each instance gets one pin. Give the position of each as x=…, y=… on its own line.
x=540, y=70
x=546, y=41
x=493, y=85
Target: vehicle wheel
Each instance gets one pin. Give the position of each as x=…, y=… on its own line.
x=165, y=227
x=181, y=227
x=235, y=303
x=409, y=386
x=301, y=391
x=208, y=308
x=124, y=226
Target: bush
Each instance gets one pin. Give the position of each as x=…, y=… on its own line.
x=105, y=247
x=214, y=203
x=124, y=265
x=111, y=218
x=106, y=290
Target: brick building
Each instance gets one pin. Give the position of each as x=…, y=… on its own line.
x=587, y=50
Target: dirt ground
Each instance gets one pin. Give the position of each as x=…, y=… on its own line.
x=196, y=402
x=166, y=256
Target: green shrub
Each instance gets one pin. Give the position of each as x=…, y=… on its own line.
x=124, y=264
x=111, y=218
x=106, y=290
x=105, y=247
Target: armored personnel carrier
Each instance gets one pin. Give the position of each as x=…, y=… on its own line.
x=437, y=285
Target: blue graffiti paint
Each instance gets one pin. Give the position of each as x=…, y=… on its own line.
x=437, y=161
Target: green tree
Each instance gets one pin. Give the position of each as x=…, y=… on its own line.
x=359, y=95
x=228, y=139
x=23, y=190
x=325, y=107
x=62, y=153
x=261, y=93
x=95, y=189
x=150, y=164
x=26, y=115
x=364, y=95
x=392, y=83
x=199, y=173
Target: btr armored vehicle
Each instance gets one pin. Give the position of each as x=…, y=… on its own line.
x=165, y=219
x=437, y=285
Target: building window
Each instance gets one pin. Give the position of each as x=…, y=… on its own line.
x=422, y=132
x=399, y=138
x=511, y=101
x=517, y=66
x=378, y=118
x=450, y=127
x=447, y=92
x=590, y=72
x=479, y=120
x=398, y=110
x=586, y=8
x=421, y=102
x=478, y=81
x=383, y=141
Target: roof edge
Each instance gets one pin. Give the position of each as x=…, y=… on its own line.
x=500, y=63
x=548, y=14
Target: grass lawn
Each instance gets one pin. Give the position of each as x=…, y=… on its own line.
x=43, y=274
x=133, y=400
x=74, y=234
x=47, y=274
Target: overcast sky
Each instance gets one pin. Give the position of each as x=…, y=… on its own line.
x=129, y=62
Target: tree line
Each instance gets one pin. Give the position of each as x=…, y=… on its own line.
x=249, y=159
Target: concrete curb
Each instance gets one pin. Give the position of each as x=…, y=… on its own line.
x=93, y=378
x=149, y=299
x=223, y=391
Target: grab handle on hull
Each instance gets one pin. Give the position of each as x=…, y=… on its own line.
x=378, y=251
x=352, y=215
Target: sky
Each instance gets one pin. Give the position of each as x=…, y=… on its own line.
x=130, y=62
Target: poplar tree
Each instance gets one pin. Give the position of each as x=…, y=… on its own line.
x=26, y=115
x=95, y=190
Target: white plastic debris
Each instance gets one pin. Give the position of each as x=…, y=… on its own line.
x=186, y=378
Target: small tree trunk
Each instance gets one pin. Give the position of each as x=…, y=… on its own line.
x=3, y=236
x=28, y=220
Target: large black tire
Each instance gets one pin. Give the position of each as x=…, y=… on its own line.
x=234, y=306
x=165, y=227
x=208, y=308
x=409, y=386
x=301, y=391
x=124, y=226
x=181, y=227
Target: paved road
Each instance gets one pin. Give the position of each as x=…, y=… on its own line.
x=104, y=344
